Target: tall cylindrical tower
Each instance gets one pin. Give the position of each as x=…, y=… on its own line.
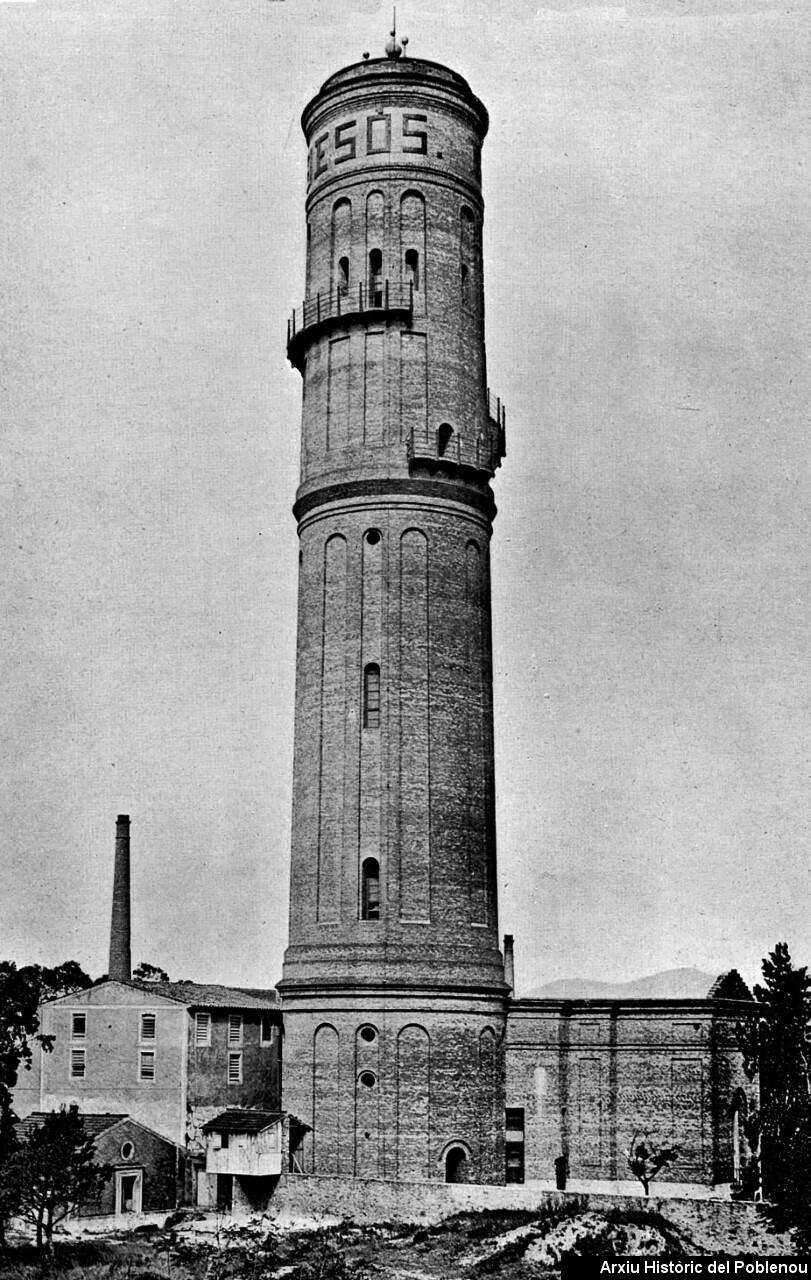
x=393, y=985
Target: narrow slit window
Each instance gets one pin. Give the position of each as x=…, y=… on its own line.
x=371, y=696
x=376, y=278
x=343, y=276
x=370, y=889
x=412, y=269
x=465, y=284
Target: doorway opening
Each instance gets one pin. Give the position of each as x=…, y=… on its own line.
x=128, y=1188
x=456, y=1165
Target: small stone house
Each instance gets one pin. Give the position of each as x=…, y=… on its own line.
x=147, y=1169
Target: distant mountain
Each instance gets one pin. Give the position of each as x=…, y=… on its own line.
x=671, y=984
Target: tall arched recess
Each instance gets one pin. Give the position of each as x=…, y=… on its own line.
x=341, y=243
x=413, y=263
x=326, y=1096
x=413, y=1102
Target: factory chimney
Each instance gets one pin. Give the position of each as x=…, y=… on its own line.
x=120, y=965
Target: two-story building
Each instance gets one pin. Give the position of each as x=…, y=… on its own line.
x=171, y=1055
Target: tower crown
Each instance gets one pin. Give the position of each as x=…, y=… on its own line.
x=390, y=335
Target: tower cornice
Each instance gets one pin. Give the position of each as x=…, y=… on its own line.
x=383, y=76
x=407, y=491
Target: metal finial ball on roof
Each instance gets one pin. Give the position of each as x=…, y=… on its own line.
x=393, y=47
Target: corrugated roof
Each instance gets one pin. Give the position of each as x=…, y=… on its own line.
x=210, y=995
x=241, y=1120
x=93, y=1124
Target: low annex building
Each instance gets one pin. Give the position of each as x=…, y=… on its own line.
x=587, y=1073
x=243, y=1157
x=147, y=1171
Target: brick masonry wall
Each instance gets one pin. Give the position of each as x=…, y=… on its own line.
x=436, y=1068
x=369, y=383
x=394, y=575
x=417, y=792
x=713, y=1226
x=590, y=1074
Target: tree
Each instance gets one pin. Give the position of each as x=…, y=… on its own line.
x=150, y=973
x=776, y=1047
x=9, y=1181
x=646, y=1158
x=21, y=993
x=56, y=1173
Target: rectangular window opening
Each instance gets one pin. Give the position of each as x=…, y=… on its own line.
x=235, y=1028
x=266, y=1029
x=235, y=1068
x=78, y=1064
x=202, y=1029
x=148, y=1026
x=78, y=1029
x=147, y=1065
x=371, y=696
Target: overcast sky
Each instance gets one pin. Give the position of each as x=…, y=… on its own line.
x=647, y=282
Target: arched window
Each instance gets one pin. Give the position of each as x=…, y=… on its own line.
x=370, y=890
x=343, y=276
x=371, y=696
x=443, y=438
x=456, y=1165
x=412, y=268
x=375, y=278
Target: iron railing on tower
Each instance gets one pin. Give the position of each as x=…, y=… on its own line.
x=482, y=451
x=332, y=307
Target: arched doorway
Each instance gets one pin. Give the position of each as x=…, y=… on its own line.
x=456, y=1165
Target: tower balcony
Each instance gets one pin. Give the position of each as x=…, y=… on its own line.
x=444, y=447
x=332, y=308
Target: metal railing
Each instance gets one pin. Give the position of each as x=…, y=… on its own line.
x=481, y=452
x=498, y=416
x=332, y=304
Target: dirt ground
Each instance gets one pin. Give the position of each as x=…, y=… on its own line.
x=516, y=1245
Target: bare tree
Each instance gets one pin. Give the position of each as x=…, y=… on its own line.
x=646, y=1157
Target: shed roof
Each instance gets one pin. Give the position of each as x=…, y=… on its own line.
x=242, y=1120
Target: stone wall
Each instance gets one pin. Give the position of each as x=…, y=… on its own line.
x=713, y=1226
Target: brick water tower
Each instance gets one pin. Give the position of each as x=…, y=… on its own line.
x=393, y=985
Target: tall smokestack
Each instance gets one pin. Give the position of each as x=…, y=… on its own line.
x=120, y=966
